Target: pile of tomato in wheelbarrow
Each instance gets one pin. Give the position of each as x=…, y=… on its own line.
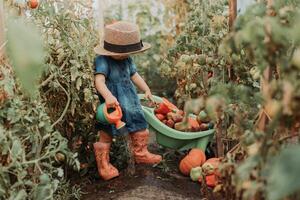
x=173, y=117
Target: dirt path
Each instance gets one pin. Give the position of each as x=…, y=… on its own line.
x=159, y=183
x=148, y=183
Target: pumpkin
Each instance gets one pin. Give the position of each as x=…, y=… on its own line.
x=196, y=173
x=195, y=158
x=211, y=166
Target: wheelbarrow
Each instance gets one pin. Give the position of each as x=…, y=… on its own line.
x=174, y=139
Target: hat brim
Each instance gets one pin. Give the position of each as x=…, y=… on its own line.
x=101, y=51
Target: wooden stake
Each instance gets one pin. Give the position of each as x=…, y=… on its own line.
x=264, y=85
x=232, y=12
x=219, y=135
x=2, y=30
x=270, y=3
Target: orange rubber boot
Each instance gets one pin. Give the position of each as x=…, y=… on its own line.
x=106, y=170
x=140, y=150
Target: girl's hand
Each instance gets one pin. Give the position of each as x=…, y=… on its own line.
x=148, y=95
x=111, y=101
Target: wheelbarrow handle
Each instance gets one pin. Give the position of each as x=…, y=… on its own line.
x=154, y=99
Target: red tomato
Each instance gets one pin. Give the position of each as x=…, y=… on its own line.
x=170, y=123
x=211, y=180
x=33, y=4
x=193, y=123
x=160, y=117
x=162, y=109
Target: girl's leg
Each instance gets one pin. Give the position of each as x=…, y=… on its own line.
x=140, y=150
x=105, y=169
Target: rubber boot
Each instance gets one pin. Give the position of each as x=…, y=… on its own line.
x=140, y=150
x=106, y=170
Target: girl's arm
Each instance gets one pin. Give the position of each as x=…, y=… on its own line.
x=142, y=85
x=101, y=87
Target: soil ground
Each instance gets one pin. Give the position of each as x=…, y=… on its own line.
x=162, y=182
x=148, y=183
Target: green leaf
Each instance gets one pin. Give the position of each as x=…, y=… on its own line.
x=284, y=174
x=21, y=195
x=26, y=53
x=16, y=149
x=74, y=73
x=78, y=83
x=247, y=166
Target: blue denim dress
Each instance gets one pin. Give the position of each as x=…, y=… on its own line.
x=118, y=74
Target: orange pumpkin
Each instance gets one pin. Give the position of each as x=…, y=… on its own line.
x=195, y=158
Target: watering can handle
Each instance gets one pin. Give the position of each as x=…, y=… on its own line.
x=116, y=114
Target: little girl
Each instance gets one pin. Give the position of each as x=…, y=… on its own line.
x=115, y=74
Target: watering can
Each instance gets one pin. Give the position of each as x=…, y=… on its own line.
x=112, y=115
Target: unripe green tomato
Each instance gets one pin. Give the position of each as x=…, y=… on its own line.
x=196, y=173
x=59, y=157
x=185, y=58
x=256, y=76
x=44, y=179
x=296, y=58
x=180, y=64
x=254, y=72
x=235, y=58
x=209, y=60
x=203, y=116
x=193, y=86
x=283, y=13
x=202, y=59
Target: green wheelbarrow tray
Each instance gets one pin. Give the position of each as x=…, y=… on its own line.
x=172, y=138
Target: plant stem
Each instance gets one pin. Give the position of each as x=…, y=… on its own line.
x=232, y=12
x=2, y=30
x=66, y=107
x=219, y=131
x=45, y=82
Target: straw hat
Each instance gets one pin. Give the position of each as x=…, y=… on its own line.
x=121, y=38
